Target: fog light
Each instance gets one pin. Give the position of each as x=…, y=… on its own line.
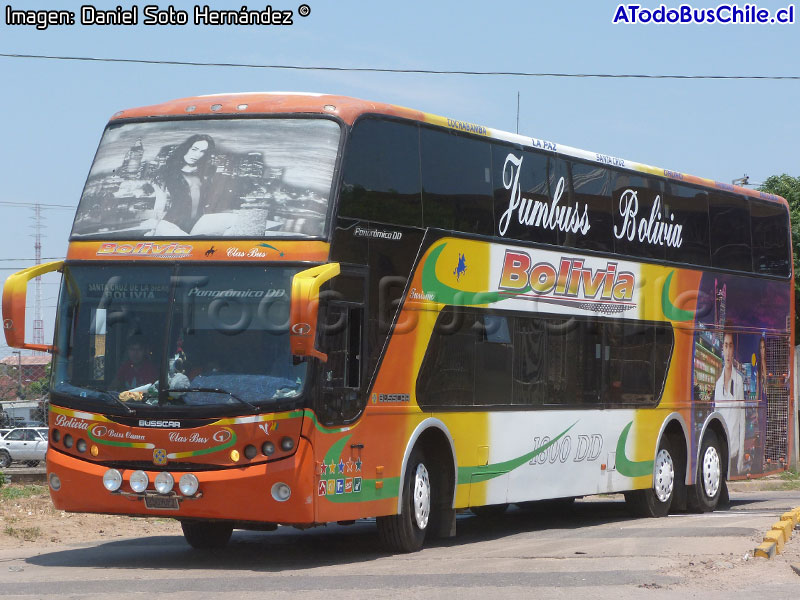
x=112, y=480
x=281, y=492
x=188, y=484
x=164, y=483
x=287, y=443
x=267, y=448
x=139, y=481
x=68, y=441
x=81, y=446
x=56, y=435
x=55, y=482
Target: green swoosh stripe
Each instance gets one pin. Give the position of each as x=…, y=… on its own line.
x=672, y=312
x=486, y=472
x=449, y=295
x=630, y=468
x=227, y=444
x=368, y=493
x=111, y=442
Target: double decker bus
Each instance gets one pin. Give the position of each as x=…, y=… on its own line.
x=296, y=309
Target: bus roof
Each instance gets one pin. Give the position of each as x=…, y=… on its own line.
x=349, y=109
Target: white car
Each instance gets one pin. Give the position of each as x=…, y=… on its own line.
x=24, y=444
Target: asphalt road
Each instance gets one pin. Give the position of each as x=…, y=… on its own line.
x=594, y=549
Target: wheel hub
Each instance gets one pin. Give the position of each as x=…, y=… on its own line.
x=421, y=496
x=712, y=472
x=665, y=476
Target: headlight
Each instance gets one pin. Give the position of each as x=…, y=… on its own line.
x=188, y=484
x=164, y=483
x=139, y=481
x=112, y=480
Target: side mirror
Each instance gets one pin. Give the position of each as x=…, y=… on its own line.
x=305, y=308
x=14, y=298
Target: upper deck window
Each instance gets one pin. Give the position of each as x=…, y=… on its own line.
x=210, y=178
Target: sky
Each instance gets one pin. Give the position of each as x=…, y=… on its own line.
x=53, y=112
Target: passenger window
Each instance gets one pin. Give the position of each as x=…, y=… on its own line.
x=770, y=229
x=591, y=190
x=687, y=208
x=456, y=182
x=381, y=180
x=730, y=232
x=522, y=217
x=634, y=198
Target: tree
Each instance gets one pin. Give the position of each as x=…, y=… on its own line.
x=789, y=187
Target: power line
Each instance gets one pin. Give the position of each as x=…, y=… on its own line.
x=181, y=63
x=44, y=205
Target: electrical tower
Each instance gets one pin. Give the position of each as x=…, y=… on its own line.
x=38, y=323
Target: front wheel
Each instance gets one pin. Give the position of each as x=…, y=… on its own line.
x=406, y=532
x=710, y=478
x=5, y=459
x=206, y=535
x=656, y=501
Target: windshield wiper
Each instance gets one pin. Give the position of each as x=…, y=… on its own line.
x=253, y=407
x=106, y=394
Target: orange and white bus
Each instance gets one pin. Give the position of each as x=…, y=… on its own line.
x=299, y=309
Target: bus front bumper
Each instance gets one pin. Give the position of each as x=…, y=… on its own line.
x=246, y=493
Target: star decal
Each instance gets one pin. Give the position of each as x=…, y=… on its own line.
x=350, y=464
x=358, y=464
x=341, y=466
x=323, y=468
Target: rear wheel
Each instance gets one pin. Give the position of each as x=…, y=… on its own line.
x=5, y=459
x=406, y=532
x=656, y=501
x=205, y=535
x=710, y=478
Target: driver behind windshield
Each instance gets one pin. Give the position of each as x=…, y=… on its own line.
x=137, y=369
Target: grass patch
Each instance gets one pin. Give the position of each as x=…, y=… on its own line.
x=28, y=534
x=17, y=492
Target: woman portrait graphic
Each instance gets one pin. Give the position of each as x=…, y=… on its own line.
x=186, y=177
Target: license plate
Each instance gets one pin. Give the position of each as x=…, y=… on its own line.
x=161, y=502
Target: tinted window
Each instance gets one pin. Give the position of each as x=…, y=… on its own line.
x=522, y=214
x=591, y=187
x=446, y=376
x=381, y=179
x=687, y=208
x=635, y=199
x=456, y=182
x=770, y=230
x=730, y=232
x=476, y=358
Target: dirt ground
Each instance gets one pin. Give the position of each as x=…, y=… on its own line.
x=27, y=516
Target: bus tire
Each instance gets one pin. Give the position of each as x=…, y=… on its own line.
x=206, y=535
x=710, y=478
x=489, y=511
x=406, y=531
x=656, y=501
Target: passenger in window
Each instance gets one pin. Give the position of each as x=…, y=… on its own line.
x=729, y=400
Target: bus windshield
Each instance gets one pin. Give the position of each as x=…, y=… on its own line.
x=162, y=337
x=266, y=177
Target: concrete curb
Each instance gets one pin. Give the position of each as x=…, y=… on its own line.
x=779, y=535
